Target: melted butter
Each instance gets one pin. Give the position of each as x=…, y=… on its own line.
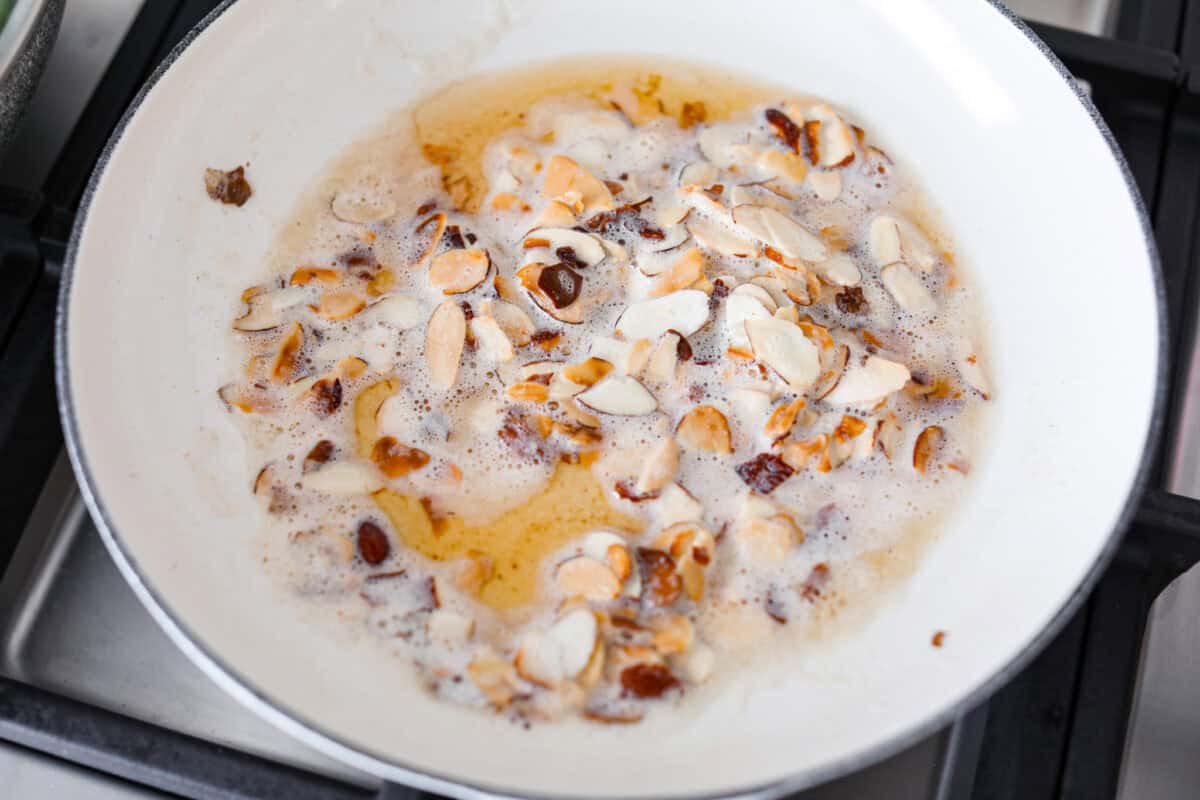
x=454, y=125
x=517, y=541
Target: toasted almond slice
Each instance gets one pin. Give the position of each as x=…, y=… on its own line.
x=739, y=309
x=967, y=361
x=780, y=232
x=363, y=204
x=907, y=290
x=696, y=665
x=586, y=373
x=676, y=504
x=577, y=415
x=672, y=633
x=778, y=164
x=784, y=348
x=504, y=201
x=397, y=310
x=341, y=478
x=587, y=578
x=783, y=418
x=721, y=239
x=572, y=313
x=287, y=356
x=610, y=549
x=888, y=435
x=395, y=459
x=263, y=312
x=340, y=305
x=704, y=428
x=686, y=270
x=381, y=283
x=777, y=287
x=832, y=373
x=492, y=339
x=458, y=271
x=585, y=248
x=506, y=288
x=719, y=143
x=826, y=185
x=664, y=359
x=789, y=313
x=794, y=285
x=555, y=215
x=449, y=628
x=563, y=389
x=620, y=395
x=884, y=240
x=575, y=635
x=528, y=392
x=306, y=275
x=867, y=385
x=840, y=270
x=445, y=337
x=699, y=173
x=495, y=678
x=516, y=325
x=834, y=146
x=659, y=467
x=758, y=293
x=433, y=226
x=684, y=311
x=926, y=447
x=562, y=175
x=797, y=454
x=637, y=356
x=769, y=540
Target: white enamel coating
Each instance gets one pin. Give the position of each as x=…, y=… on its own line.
x=1029, y=186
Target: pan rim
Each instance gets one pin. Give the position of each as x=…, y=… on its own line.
x=313, y=734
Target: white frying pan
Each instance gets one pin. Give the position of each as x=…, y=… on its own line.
x=1043, y=210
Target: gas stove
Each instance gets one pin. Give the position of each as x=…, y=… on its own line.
x=96, y=702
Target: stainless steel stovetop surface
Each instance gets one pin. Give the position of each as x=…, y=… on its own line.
x=70, y=624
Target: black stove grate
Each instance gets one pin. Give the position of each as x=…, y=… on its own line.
x=1056, y=731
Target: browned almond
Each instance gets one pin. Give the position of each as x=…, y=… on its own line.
x=306, y=275
x=927, y=445
x=848, y=428
x=704, y=428
x=648, y=680
x=587, y=373
x=661, y=584
x=373, y=544
x=326, y=396
x=685, y=271
x=381, y=283
x=432, y=226
x=321, y=452
x=287, y=356
x=783, y=418
x=798, y=454
x=339, y=305
x=395, y=459
x=529, y=392
x=458, y=271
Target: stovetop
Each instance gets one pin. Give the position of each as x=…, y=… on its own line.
x=96, y=702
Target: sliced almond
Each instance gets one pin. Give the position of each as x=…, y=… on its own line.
x=637, y=356
x=888, y=435
x=445, y=337
x=929, y=441
x=840, y=270
x=908, y=291
x=676, y=504
x=395, y=459
x=306, y=275
x=672, y=633
x=778, y=164
x=587, y=373
x=686, y=270
x=699, y=173
x=684, y=311
x=491, y=339
x=587, y=578
x=514, y=323
x=381, y=283
x=610, y=549
x=758, y=293
x=826, y=185
x=620, y=395
x=575, y=633
x=287, y=355
x=343, y=478
x=797, y=454
x=528, y=392
x=458, y=271
x=769, y=540
x=398, y=310
x=659, y=467
x=664, y=359
x=832, y=372
x=780, y=232
x=584, y=248
x=831, y=140
x=784, y=348
x=264, y=308
x=432, y=226
x=721, y=239
x=783, y=418
x=696, y=665
x=449, y=628
x=884, y=240
x=967, y=361
x=867, y=385
x=363, y=204
x=739, y=309
x=495, y=678
x=555, y=215
x=562, y=176
x=339, y=305
x=777, y=288
x=704, y=428
x=750, y=406
x=507, y=288
x=577, y=415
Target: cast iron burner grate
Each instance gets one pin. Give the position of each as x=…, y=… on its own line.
x=1055, y=731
